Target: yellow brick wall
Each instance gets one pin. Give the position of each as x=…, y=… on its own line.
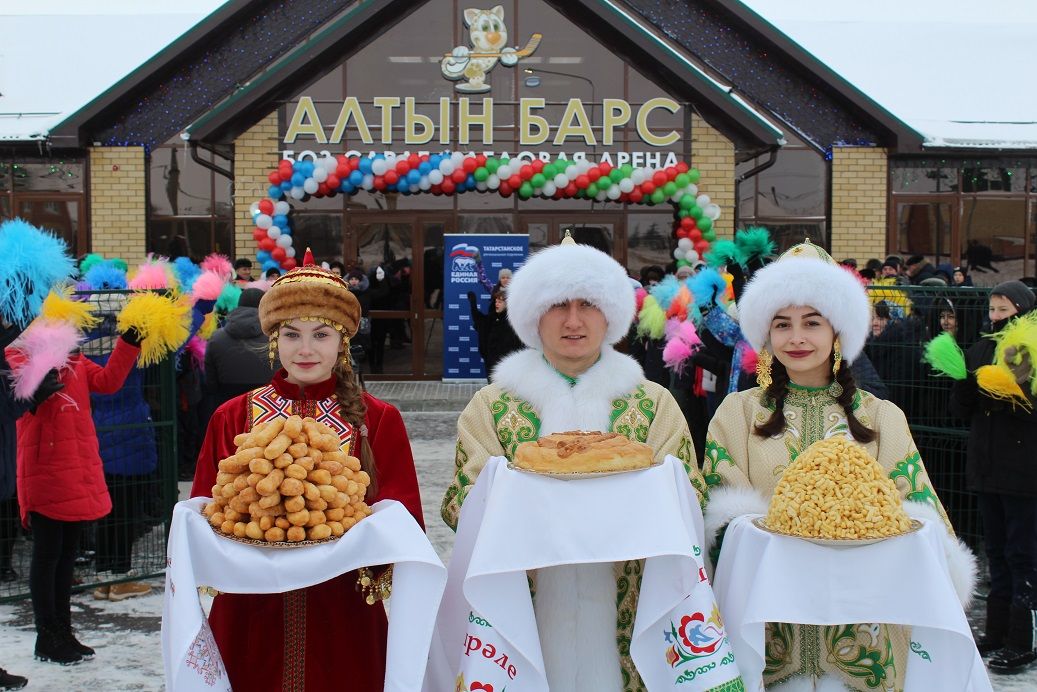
x=714, y=156
x=859, y=195
x=117, y=202
x=256, y=153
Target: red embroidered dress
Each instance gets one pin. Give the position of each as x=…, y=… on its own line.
x=325, y=636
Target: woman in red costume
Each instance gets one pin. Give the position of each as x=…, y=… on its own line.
x=325, y=636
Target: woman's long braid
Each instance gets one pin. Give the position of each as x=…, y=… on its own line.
x=776, y=393
x=845, y=379
x=354, y=410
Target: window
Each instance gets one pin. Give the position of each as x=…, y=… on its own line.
x=47, y=193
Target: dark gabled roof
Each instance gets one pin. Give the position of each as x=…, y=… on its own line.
x=761, y=62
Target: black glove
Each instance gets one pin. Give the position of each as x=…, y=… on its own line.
x=9, y=334
x=48, y=387
x=132, y=337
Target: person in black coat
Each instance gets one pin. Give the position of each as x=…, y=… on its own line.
x=1000, y=467
x=496, y=337
x=237, y=358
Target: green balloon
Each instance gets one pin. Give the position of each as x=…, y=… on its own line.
x=492, y=164
x=704, y=224
x=615, y=175
x=693, y=176
x=709, y=235
x=481, y=174
x=683, y=213
x=670, y=188
x=627, y=170
x=683, y=263
x=525, y=190
x=538, y=180
x=696, y=211
x=687, y=202
x=550, y=171
x=592, y=189
x=658, y=196
x=682, y=180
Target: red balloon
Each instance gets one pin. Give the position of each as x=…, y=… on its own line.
x=671, y=172
x=687, y=223
x=448, y=186
x=647, y=187
x=695, y=234
x=515, y=181
x=266, y=206
x=267, y=244
x=391, y=177
x=322, y=189
x=289, y=264
x=278, y=254
x=284, y=164
x=413, y=161
x=682, y=167
x=681, y=233
x=701, y=246
x=605, y=167
x=659, y=178
x=480, y=160
x=469, y=165
x=284, y=173
x=504, y=189
x=526, y=172
x=594, y=173
x=333, y=181
x=402, y=167
x=379, y=183
x=571, y=189
x=343, y=170
x=274, y=178
x=582, y=181
x=436, y=189
x=258, y=234
x=538, y=165
x=458, y=176
x=636, y=196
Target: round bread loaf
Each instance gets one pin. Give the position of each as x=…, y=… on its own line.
x=583, y=452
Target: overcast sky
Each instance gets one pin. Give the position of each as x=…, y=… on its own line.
x=95, y=7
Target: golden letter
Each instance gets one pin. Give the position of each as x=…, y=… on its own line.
x=415, y=121
x=465, y=120
x=642, y=122
x=351, y=109
x=582, y=128
x=528, y=120
x=305, y=121
x=617, y=114
x=386, y=104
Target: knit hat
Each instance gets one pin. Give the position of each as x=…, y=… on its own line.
x=1017, y=292
x=309, y=292
x=250, y=298
x=568, y=272
x=806, y=275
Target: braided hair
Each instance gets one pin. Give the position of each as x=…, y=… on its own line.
x=352, y=407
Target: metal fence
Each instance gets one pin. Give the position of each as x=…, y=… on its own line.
x=137, y=438
x=906, y=318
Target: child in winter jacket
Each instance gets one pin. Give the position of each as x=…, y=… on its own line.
x=61, y=486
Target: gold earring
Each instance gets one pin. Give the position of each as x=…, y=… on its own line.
x=763, y=369
x=273, y=351
x=836, y=389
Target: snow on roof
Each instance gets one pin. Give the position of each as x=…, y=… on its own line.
x=952, y=71
x=58, y=55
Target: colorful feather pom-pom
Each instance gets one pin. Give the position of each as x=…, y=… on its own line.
x=208, y=286
x=651, y=320
x=88, y=262
x=186, y=272
x=676, y=354
x=998, y=382
x=163, y=323
x=749, y=358
x=665, y=291
x=723, y=253
x=59, y=307
x=945, y=357
x=195, y=348
x=1017, y=337
x=755, y=242
x=208, y=328
x=687, y=333
x=105, y=276
x=31, y=263
x=708, y=287
x=228, y=300
x=44, y=346
x=154, y=274
x=220, y=265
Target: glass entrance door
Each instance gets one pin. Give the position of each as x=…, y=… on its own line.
x=402, y=259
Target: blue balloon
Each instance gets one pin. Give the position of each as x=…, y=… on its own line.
x=424, y=167
x=307, y=169
x=287, y=230
x=470, y=181
x=298, y=179
x=379, y=156
x=413, y=177
x=356, y=178
x=402, y=185
x=365, y=166
x=275, y=192
x=271, y=264
x=348, y=188
x=286, y=185
x=434, y=161
x=281, y=221
x=297, y=166
x=262, y=255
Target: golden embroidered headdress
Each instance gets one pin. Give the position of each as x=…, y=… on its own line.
x=310, y=293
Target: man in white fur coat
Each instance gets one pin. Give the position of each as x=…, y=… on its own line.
x=570, y=304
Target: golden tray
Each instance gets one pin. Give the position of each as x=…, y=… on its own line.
x=576, y=475
x=280, y=545
x=761, y=523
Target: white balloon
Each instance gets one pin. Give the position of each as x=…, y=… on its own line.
x=273, y=232
x=435, y=177
x=446, y=166
x=678, y=254
x=692, y=189
x=414, y=187
x=290, y=251
x=320, y=174
x=684, y=244
x=712, y=211
x=284, y=241
x=368, y=182
x=637, y=176
x=571, y=171
x=626, y=185
x=253, y=209
x=691, y=255
x=264, y=221
x=282, y=208
x=329, y=164
x=458, y=158
x=297, y=193
x=481, y=186
x=613, y=191
x=548, y=189
x=310, y=185
x=425, y=184
x=504, y=172
x=600, y=196
x=702, y=200
x=379, y=166
x=493, y=181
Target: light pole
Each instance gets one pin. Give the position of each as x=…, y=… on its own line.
x=537, y=70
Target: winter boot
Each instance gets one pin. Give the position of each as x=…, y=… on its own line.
x=993, y=637
x=11, y=682
x=1018, y=650
x=70, y=638
x=52, y=646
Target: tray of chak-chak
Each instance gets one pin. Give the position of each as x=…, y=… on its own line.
x=288, y=485
x=836, y=494
x=572, y=455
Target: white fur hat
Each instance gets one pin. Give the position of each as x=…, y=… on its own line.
x=567, y=272
x=806, y=275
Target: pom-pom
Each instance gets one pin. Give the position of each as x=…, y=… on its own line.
x=89, y=262
x=651, y=319
x=1019, y=335
x=195, y=348
x=676, y=354
x=724, y=252
x=998, y=382
x=105, y=276
x=186, y=272
x=31, y=263
x=120, y=264
x=59, y=307
x=945, y=357
x=749, y=358
x=218, y=264
x=162, y=321
x=154, y=274
x=687, y=333
x=208, y=327
x=665, y=291
x=639, y=298
x=708, y=287
x=208, y=286
x=45, y=346
x=228, y=300
x=679, y=306
x=755, y=243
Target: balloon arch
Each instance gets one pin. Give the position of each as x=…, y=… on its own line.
x=454, y=173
